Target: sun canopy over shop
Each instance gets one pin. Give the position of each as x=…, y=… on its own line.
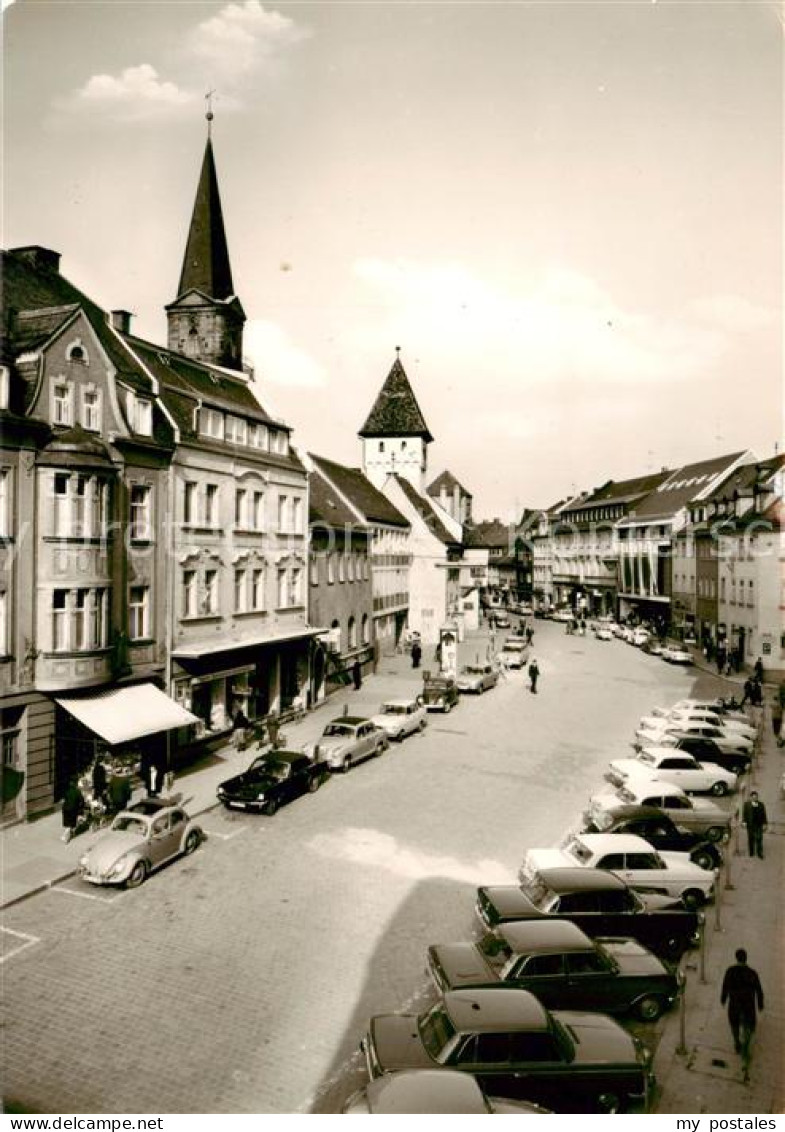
x=121, y=715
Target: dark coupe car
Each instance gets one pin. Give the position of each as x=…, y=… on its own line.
x=707, y=750
x=565, y=969
x=661, y=832
x=271, y=781
x=600, y=903
x=566, y=1060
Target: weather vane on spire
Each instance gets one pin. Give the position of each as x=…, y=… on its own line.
x=209, y=115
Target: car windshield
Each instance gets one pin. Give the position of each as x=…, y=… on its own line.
x=279, y=771
x=393, y=709
x=576, y=848
x=338, y=729
x=124, y=823
x=472, y=670
x=436, y=1030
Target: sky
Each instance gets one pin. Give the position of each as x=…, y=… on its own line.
x=567, y=215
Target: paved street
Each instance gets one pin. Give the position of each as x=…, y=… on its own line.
x=242, y=978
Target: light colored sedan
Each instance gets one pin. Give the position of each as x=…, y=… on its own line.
x=631, y=858
x=348, y=740
x=675, y=655
x=140, y=839
x=688, y=717
x=729, y=741
x=399, y=718
x=477, y=678
x=677, y=767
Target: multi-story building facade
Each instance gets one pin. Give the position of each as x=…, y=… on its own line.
x=452, y=497
x=154, y=524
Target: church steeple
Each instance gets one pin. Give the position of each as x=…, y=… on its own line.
x=206, y=319
x=395, y=436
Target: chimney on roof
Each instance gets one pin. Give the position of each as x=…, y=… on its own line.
x=121, y=320
x=41, y=259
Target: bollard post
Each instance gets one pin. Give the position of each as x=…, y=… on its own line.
x=735, y=830
x=718, y=904
x=681, y=1048
x=703, y=954
x=729, y=885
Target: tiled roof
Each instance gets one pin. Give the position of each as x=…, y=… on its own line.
x=368, y=500
x=681, y=486
x=424, y=509
x=395, y=411
x=206, y=265
x=448, y=481
x=186, y=378
x=489, y=533
x=623, y=491
x=35, y=290
x=326, y=506
x=743, y=480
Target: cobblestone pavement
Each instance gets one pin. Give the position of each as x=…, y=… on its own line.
x=242, y=978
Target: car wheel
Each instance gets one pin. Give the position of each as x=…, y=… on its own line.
x=314, y=784
x=703, y=859
x=693, y=898
x=138, y=875
x=609, y=1102
x=191, y=842
x=346, y=765
x=269, y=808
x=716, y=833
x=719, y=788
x=649, y=1008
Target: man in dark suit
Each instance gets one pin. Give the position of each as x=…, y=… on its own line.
x=755, y=819
x=743, y=993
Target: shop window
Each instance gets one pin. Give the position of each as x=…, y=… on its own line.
x=139, y=613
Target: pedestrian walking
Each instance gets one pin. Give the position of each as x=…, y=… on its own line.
x=758, y=670
x=748, y=691
x=743, y=993
x=99, y=780
x=755, y=818
x=534, y=672
x=722, y=656
x=357, y=676
x=416, y=653
x=73, y=804
x=240, y=725
x=529, y=635
x=757, y=693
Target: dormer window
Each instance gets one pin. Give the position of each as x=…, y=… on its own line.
x=143, y=417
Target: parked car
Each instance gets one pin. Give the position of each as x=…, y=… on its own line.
x=675, y=655
x=659, y=830
x=667, y=765
x=631, y=858
x=401, y=717
x=727, y=740
x=431, y=1091
x=653, y=647
x=691, y=717
x=565, y=969
x=707, y=751
x=477, y=678
x=514, y=652
x=599, y=902
x=717, y=705
x=603, y=633
x=562, y=615
x=500, y=620
x=640, y=637
x=141, y=839
x=440, y=694
x=273, y=780
x=348, y=740
x=696, y=814
x=569, y=1061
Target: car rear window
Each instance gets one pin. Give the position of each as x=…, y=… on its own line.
x=436, y=1030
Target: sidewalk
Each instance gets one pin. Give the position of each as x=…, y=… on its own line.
x=33, y=856
x=707, y=1075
